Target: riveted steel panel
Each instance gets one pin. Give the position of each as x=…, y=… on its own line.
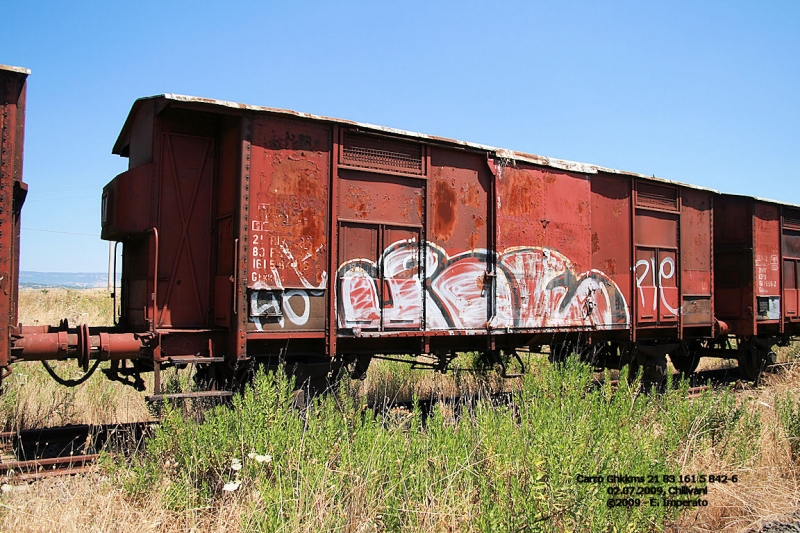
x=767, y=261
x=791, y=284
x=457, y=256
x=696, y=258
x=611, y=230
x=367, y=196
x=288, y=226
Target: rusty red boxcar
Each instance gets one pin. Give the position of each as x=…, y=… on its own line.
x=257, y=232
x=757, y=254
x=258, y=235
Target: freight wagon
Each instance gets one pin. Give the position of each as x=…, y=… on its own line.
x=252, y=234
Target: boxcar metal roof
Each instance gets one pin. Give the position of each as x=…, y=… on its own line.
x=19, y=70
x=501, y=153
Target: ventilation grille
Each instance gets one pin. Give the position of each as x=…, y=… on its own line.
x=657, y=196
x=381, y=153
x=791, y=219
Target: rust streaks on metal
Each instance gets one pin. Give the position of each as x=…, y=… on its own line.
x=445, y=209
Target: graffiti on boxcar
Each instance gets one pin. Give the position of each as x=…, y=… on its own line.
x=657, y=284
x=532, y=287
x=269, y=306
x=267, y=264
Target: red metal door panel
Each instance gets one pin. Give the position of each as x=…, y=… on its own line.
x=380, y=218
x=656, y=229
x=459, y=195
x=767, y=242
x=226, y=200
x=667, y=279
x=374, y=197
x=401, y=279
x=547, y=208
x=696, y=258
x=359, y=290
x=187, y=168
x=733, y=263
x=791, y=271
x=797, y=286
x=656, y=270
x=657, y=286
x=555, y=269
x=791, y=295
x=646, y=285
x=287, y=248
x=380, y=284
x=520, y=206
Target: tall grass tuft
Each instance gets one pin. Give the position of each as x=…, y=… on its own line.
x=515, y=467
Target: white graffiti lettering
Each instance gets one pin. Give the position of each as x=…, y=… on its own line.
x=530, y=288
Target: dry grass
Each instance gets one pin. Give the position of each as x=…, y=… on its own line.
x=92, y=504
x=31, y=399
x=768, y=484
x=40, y=307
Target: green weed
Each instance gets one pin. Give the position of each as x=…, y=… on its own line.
x=515, y=467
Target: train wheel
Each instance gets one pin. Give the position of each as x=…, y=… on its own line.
x=652, y=362
x=750, y=364
x=627, y=357
x=654, y=373
x=686, y=359
x=316, y=377
x=753, y=360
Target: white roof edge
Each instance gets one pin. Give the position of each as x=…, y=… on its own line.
x=501, y=153
x=767, y=200
x=20, y=70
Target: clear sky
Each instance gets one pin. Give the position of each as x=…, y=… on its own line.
x=706, y=93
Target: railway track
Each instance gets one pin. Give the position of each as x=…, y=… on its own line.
x=37, y=453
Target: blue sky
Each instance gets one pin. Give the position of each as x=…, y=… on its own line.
x=704, y=93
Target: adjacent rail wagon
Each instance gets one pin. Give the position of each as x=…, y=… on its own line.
x=13, y=90
x=258, y=235
x=757, y=253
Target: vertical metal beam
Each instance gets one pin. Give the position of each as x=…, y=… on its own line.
x=240, y=269
x=781, y=291
x=12, y=194
x=679, y=264
x=634, y=308
x=491, y=245
x=332, y=322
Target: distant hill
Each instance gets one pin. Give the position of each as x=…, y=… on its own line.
x=70, y=280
